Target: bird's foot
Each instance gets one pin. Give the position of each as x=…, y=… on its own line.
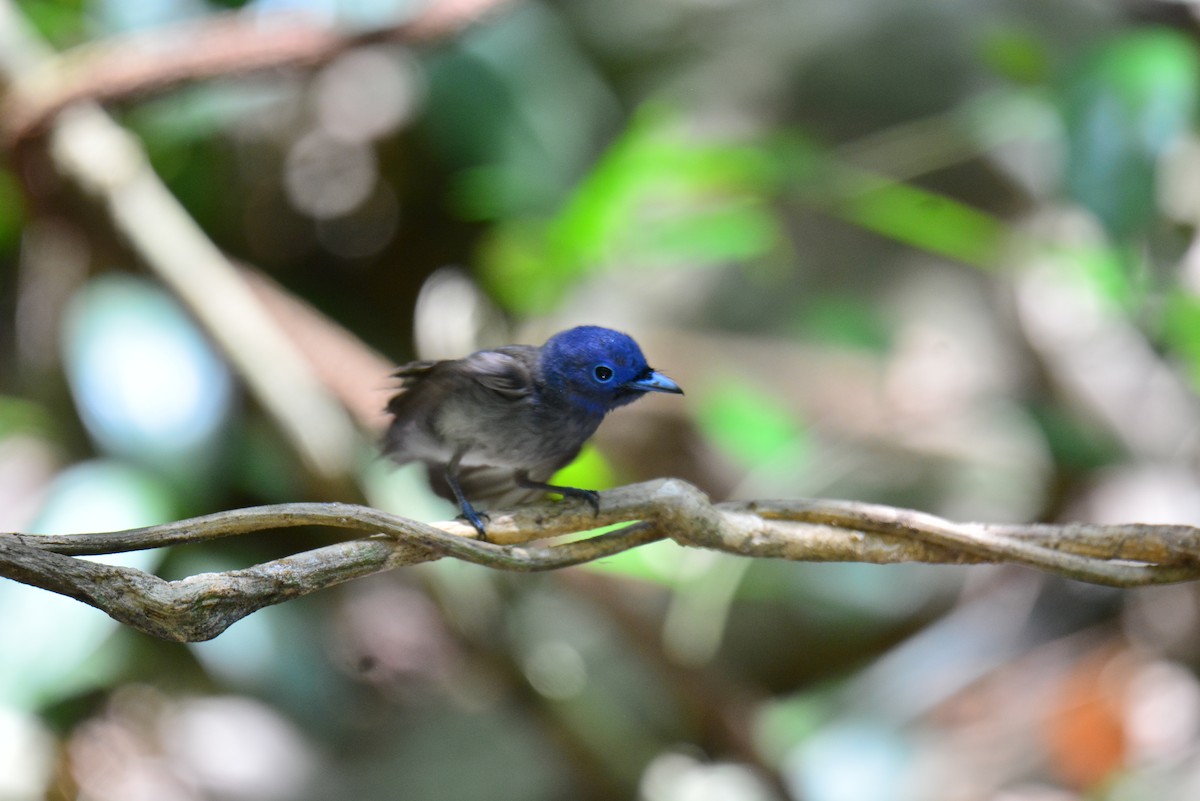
x=476, y=520
x=590, y=496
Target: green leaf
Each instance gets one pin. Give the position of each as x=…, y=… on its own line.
x=657, y=196
x=921, y=218
x=660, y=195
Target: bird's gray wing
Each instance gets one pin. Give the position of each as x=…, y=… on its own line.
x=424, y=385
x=414, y=370
x=507, y=371
x=429, y=388
x=415, y=385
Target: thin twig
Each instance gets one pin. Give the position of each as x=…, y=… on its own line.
x=234, y=43
x=202, y=606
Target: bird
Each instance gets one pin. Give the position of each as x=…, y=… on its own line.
x=497, y=424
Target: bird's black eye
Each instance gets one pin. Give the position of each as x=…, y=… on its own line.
x=603, y=373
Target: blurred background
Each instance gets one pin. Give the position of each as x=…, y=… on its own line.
x=926, y=253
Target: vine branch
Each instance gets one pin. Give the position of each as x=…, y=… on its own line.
x=200, y=607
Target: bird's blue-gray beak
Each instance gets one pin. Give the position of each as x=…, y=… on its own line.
x=655, y=382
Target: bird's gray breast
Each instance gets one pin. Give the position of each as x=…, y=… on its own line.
x=531, y=433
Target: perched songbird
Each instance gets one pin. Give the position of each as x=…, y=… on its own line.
x=497, y=424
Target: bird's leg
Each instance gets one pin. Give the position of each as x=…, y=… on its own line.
x=468, y=511
x=591, y=496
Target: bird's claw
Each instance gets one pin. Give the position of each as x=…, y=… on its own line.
x=476, y=520
x=591, y=497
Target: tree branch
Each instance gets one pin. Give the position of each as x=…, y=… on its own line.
x=202, y=606
x=219, y=45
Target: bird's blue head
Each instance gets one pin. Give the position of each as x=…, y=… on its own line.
x=599, y=369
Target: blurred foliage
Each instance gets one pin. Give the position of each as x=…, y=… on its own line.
x=933, y=254
x=1131, y=99
x=656, y=197
x=10, y=212
x=63, y=22
x=751, y=427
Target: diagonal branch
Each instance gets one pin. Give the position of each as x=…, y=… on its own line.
x=202, y=606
